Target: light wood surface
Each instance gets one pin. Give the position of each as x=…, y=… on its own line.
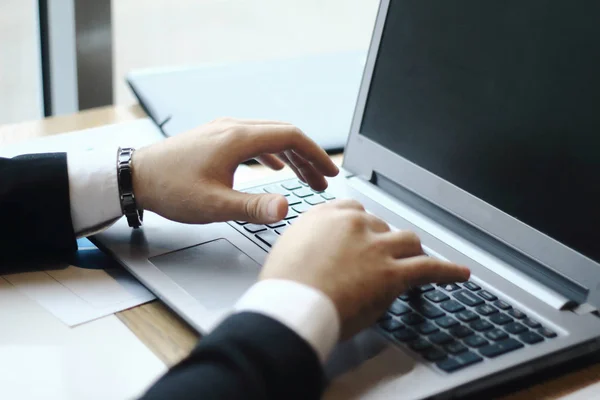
x=171, y=338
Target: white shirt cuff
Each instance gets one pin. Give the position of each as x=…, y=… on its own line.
x=93, y=190
x=303, y=309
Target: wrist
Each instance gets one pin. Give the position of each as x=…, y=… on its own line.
x=140, y=182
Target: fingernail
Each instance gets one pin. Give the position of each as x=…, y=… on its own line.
x=273, y=208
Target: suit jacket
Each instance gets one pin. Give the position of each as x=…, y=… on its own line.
x=248, y=356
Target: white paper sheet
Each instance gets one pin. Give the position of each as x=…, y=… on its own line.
x=136, y=133
x=590, y=392
x=41, y=358
x=77, y=295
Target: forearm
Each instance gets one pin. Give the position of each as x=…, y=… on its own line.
x=34, y=207
x=249, y=356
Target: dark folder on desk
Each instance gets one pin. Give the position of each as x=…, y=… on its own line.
x=317, y=93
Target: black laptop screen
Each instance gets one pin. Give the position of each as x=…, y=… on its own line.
x=502, y=99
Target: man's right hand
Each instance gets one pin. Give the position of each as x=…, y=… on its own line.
x=356, y=260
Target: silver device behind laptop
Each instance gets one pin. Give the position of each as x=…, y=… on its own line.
x=476, y=127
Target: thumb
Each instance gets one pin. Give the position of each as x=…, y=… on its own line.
x=255, y=208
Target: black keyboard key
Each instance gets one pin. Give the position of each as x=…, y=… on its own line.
x=269, y=238
x=412, y=319
x=471, y=286
x=276, y=189
x=427, y=309
x=460, y=331
x=384, y=317
x=446, y=322
x=449, y=287
x=475, y=341
x=391, y=325
x=420, y=345
x=531, y=337
x=253, y=228
x=468, y=298
x=315, y=200
x=484, y=294
x=434, y=354
x=547, y=333
x=303, y=192
x=241, y=222
x=436, y=296
x=502, y=305
x=427, y=328
x=455, y=348
x=481, y=325
x=405, y=335
x=291, y=185
x=327, y=196
x=515, y=328
x=503, y=347
x=399, y=308
x=486, y=309
x=452, y=306
x=301, y=208
x=276, y=224
x=440, y=338
x=404, y=297
x=458, y=362
x=424, y=288
x=517, y=314
x=280, y=230
x=293, y=200
x=532, y=323
x=500, y=319
x=496, y=335
x=467, y=316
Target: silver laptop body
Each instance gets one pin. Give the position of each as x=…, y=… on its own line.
x=200, y=271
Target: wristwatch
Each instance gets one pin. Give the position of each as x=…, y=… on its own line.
x=125, y=181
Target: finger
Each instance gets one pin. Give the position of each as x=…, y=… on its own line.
x=376, y=224
x=403, y=244
x=346, y=204
x=261, y=139
x=283, y=157
x=315, y=179
x=243, y=121
x=255, y=208
x=270, y=161
x=420, y=270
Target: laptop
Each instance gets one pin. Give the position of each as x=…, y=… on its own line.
x=476, y=128
x=314, y=92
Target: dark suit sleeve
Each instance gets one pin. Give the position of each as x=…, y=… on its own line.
x=35, y=213
x=249, y=356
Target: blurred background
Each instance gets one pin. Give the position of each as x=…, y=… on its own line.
x=90, y=45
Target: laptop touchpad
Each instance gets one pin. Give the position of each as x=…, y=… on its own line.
x=215, y=273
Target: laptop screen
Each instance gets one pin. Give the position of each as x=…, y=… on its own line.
x=502, y=99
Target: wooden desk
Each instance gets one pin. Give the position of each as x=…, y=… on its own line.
x=170, y=338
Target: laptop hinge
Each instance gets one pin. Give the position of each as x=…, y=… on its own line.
x=572, y=293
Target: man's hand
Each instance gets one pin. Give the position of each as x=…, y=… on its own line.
x=189, y=177
x=354, y=259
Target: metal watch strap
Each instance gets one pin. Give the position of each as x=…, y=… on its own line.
x=125, y=180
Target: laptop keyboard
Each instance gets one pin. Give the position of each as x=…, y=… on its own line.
x=454, y=325
x=300, y=197
x=459, y=324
